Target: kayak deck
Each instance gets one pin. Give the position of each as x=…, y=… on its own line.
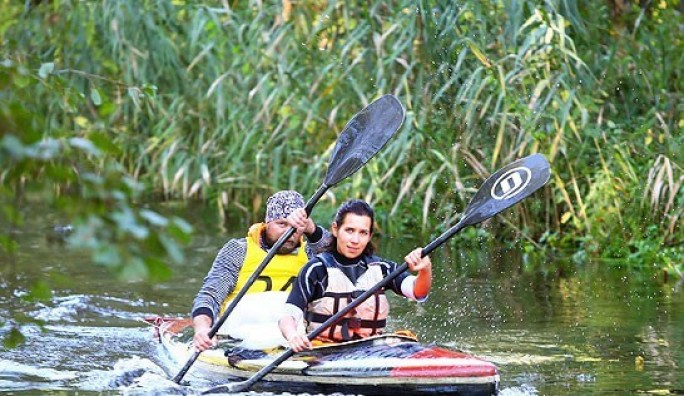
x=379, y=365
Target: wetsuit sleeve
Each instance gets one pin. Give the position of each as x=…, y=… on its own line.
x=404, y=283
x=309, y=286
x=221, y=279
x=398, y=285
x=407, y=286
x=318, y=241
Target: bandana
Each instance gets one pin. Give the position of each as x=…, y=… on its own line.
x=282, y=203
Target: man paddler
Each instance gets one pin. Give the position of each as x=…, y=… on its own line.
x=239, y=257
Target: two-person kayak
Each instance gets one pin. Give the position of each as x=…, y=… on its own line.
x=391, y=364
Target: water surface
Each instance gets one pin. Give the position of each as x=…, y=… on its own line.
x=552, y=327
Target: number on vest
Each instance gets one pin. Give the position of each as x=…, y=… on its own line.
x=288, y=284
x=268, y=281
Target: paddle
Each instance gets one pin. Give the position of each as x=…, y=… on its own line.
x=503, y=189
x=363, y=136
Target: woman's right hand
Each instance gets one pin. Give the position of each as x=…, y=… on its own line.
x=299, y=342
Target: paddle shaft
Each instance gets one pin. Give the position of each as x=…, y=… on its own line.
x=246, y=384
x=250, y=281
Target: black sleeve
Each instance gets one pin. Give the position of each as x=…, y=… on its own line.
x=310, y=284
x=395, y=285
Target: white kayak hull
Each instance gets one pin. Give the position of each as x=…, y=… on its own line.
x=381, y=365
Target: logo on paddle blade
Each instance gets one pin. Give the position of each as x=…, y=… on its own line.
x=511, y=183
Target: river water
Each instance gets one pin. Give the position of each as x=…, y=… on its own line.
x=552, y=327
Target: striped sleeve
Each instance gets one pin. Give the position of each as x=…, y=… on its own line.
x=221, y=279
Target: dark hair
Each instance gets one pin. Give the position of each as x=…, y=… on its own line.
x=359, y=208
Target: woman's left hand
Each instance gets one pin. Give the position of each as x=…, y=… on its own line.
x=416, y=263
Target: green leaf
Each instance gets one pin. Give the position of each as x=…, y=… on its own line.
x=103, y=142
x=13, y=215
x=46, y=69
x=172, y=249
x=135, y=270
x=107, y=255
x=154, y=218
x=157, y=269
x=180, y=230
x=149, y=90
x=40, y=291
x=13, y=145
x=22, y=81
x=8, y=244
x=85, y=145
x=60, y=173
x=106, y=109
x=13, y=338
x=183, y=225
x=95, y=97
x=127, y=222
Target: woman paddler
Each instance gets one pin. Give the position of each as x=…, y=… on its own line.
x=332, y=279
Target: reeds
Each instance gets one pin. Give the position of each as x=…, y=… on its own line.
x=663, y=197
x=226, y=102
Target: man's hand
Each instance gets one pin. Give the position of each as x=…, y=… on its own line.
x=301, y=222
x=201, y=340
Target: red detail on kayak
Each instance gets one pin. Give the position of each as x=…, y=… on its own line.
x=470, y=367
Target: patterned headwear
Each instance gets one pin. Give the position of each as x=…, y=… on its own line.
x=282, y=203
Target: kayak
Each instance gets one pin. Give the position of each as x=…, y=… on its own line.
x=386, y=364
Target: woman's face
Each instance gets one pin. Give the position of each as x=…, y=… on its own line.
x=352, y=235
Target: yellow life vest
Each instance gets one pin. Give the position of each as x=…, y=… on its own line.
x=279, y=274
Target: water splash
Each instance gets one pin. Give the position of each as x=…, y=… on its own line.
x=10, y=369
x=77, y=307
x=523, y=390
x=131, y=376
x=154, y=384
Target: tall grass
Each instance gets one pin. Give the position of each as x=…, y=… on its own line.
x=226, y=102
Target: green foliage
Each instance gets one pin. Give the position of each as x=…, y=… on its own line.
x=78, y=170
x=57, y=155
x=13, y=338
x=228, y=102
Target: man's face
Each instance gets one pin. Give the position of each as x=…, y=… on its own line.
x=275, y=229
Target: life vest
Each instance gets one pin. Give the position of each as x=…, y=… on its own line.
x=367, y=319
x=279, y=274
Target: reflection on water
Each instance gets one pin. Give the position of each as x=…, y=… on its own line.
x=551, y=330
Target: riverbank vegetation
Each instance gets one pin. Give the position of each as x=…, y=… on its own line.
x=109, y=105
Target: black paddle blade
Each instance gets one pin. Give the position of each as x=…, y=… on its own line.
x=363, y=136
x=508, y=186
